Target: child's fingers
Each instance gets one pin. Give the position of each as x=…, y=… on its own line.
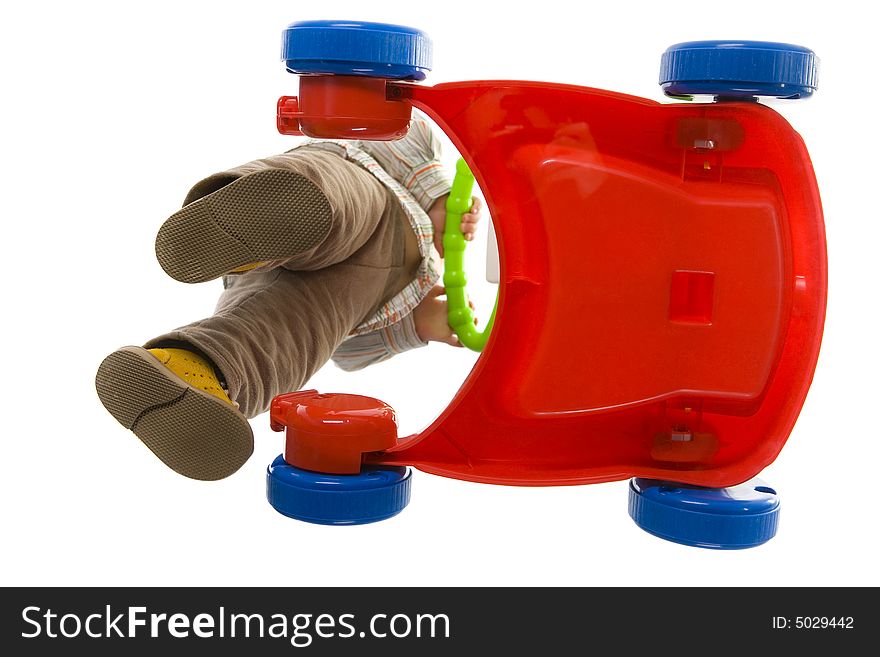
x=468, y=227
x=476, y=205
x=473, y=307
x=436, y=291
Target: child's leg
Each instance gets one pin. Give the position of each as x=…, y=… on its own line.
x=272, y=330
x=304, y=210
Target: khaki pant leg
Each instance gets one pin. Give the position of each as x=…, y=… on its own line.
x=274, y=329
x=356, y=197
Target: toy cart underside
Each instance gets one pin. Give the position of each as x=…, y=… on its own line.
x=662, y=288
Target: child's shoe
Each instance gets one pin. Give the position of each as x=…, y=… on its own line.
x=269, y=215
x=172, y=400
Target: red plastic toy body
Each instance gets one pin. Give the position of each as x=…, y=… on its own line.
x=663, y=287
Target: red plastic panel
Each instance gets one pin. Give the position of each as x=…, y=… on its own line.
x=620, y=233
x=663, y=284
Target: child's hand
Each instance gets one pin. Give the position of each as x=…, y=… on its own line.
x=468, y=220
x=431, y=320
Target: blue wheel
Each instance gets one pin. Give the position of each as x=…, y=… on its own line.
x=739, y=69
x=356, y=48
x=731, y=518
x=377, y=493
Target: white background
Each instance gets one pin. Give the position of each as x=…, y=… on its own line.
x=110, y=111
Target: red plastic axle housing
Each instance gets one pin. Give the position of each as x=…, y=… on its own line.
x=331, y=432
x=343, y=106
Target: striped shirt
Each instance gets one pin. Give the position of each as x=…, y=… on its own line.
x=410, y=167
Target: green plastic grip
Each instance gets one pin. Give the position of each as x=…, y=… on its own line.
x=461, y=317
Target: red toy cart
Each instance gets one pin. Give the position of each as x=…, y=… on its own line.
x=662, y=287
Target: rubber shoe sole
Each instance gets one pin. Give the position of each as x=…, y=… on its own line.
x=192, y=432
x=268, y=215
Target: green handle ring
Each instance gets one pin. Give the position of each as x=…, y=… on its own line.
x=461, y=317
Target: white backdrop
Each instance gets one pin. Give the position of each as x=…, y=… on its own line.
x=111, y=110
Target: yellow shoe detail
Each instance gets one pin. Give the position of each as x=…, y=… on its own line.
x=246, y=268
x=193, y=369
